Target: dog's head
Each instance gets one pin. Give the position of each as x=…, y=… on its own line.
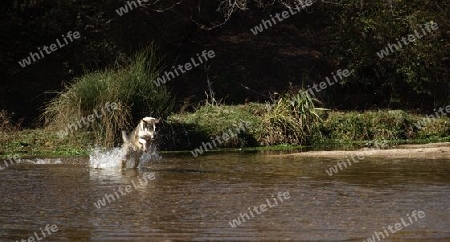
x=147, y=127
x=147, y=132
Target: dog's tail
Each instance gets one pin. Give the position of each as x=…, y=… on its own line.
x=124, y=137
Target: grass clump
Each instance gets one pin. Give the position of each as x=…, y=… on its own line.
x=130, y=89
x=292, y=119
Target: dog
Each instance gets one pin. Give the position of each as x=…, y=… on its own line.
x=139, y=141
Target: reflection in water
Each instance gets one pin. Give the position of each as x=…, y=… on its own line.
x=196, y=198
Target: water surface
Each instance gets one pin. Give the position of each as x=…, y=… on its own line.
x=194, y=199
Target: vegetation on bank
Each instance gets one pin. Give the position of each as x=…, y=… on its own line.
x=129, y=88
x=346, y=35
x=330, y=127
x=188, y=130
x=97, y=106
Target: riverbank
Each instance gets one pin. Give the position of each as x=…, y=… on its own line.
x=270, y=129
x=42, y=143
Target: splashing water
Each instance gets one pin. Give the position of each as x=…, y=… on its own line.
x=101, y=159
x=147, y=157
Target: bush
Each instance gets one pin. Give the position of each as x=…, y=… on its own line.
x=131, y=88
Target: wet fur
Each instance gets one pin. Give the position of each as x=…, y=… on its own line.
x=139, y=141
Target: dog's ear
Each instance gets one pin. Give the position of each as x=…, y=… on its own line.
x=148, y=119
x=151, y=120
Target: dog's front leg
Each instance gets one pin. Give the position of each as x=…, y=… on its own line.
x=125, y=155
x=126, y=152
x=124, y=137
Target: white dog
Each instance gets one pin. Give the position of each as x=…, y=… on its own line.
x=138, y=142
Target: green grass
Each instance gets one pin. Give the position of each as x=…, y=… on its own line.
x=131, y=88
x=341, y=130
x=289, y=121
x=370, y=125
x=437, y=129
x=185, y=131
x=42, y=142
x=392, y=125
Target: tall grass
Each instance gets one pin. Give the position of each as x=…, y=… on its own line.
x=292, y=119
x=131, y=87
x=370, y=125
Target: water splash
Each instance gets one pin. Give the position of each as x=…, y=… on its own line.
x=147, y=157
x=100, y=158
x=103, y=159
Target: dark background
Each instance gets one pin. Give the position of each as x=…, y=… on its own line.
x=301, y=50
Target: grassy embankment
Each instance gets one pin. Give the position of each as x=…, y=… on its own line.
x=288, y=120
x=188, y=131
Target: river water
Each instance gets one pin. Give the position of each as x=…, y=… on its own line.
x=182, y=198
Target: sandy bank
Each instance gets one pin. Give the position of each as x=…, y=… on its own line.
x=422, y=151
